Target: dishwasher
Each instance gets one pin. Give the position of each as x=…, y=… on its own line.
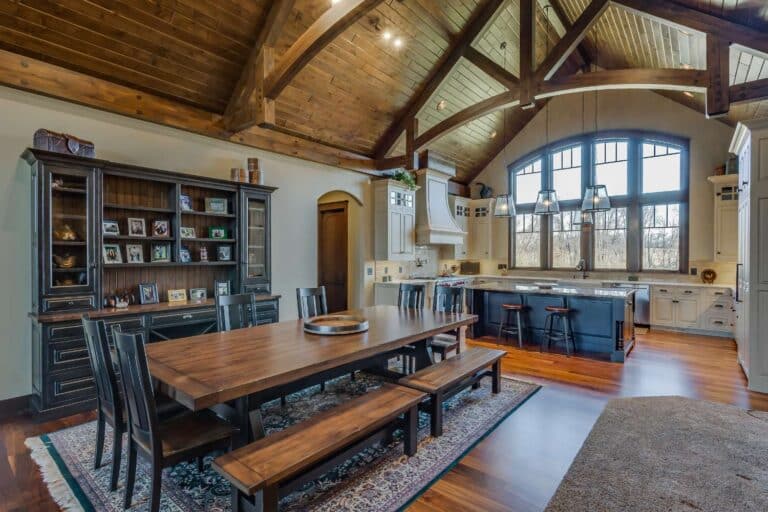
x=642, y=302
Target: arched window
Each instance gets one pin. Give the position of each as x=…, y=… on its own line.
x=646, y=175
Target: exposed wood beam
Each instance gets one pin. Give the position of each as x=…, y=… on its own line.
x=476, y=111
x=482, y=16
x=666, y=11
x=527, y=50
x=491, y=69
x=571, y=39
x=267, y=36
x=669, y=79
x=325, y=29
x=254, y=109
x=718, y=61
x=411, y=151
x=584, y=53
x=749, y=91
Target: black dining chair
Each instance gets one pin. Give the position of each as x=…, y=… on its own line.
x=311, y=302
x=164, y=444
x=235, y=311
x=447, y=299
x=410, y=296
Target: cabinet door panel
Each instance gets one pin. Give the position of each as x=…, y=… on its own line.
x=727, y=234
x=687, y=312
x=395, y=233
x=662, y=310
x=409, y=233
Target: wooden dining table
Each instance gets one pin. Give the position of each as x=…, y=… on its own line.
x=239, y=370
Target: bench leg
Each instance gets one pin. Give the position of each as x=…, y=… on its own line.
x=496, y=376
x=269, y=499
x=436, y=414
x=411, y=430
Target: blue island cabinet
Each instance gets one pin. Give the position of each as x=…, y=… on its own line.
x=602, y=324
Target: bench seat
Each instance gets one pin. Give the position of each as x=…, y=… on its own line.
x=268, y=464
x=450, y=376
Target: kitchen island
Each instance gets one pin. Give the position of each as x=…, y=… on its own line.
x=602, y=319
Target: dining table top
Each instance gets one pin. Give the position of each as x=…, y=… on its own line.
x=209, y=369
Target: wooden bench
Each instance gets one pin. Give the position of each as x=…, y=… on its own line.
x=450, y=376
x=264, y=470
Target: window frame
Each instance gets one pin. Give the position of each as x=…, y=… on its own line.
x=633, y=201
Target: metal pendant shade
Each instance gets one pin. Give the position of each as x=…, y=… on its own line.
x=596, y=199
x=584, y=218
x=546, y=203
x=504, y=206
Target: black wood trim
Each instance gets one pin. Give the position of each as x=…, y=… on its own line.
x=17, y=406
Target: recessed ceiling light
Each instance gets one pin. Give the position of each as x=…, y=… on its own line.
x=397, y=42
x=688, y=93
x=387, y=35
x=493, y=134
x=441, y=105
x=334, y=2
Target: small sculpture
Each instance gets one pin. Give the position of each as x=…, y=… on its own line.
x=65, y=233
x=486, y=192
x=65, y=261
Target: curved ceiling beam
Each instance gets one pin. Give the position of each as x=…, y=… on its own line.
x=476, y=111
x=328, y=26
x=664, y=79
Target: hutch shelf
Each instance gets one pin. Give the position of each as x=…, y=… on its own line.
x=101, y=228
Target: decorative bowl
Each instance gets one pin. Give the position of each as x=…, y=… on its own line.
x=335, y=325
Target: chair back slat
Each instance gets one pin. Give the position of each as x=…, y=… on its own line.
x=103, y=368
x=137, y=389
x=311, y=302
x=236, y=311
x=448, y=299
x=411, y=296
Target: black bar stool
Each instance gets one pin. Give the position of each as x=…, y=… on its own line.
x=565, y=333
x=506, y=327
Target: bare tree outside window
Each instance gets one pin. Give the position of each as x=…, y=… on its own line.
x=610, y=230
x=661, y=237
x=527, y=240
x=566, y=240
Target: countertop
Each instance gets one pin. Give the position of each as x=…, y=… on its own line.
x=579, y=291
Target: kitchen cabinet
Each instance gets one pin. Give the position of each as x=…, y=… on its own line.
x=726, y=216
x=394, y=221
x=705, y=310
x=385, y=294
x=461, y=213
x=481, y=229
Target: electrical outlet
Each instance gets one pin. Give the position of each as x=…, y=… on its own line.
x=386, y=270
x=369, y=271
x=694, y=271
x=399, y=270
x=502, y=266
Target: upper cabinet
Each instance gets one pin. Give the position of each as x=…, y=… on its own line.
x=481, y=229
x=726, y=216
x=394, y=221
x=461, y=211
x=255, y=239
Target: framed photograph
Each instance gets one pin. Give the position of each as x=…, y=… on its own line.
x=161, y=253
x=221, y=288
x=203, y=253
x=134, y=253
x=137, y=227
x=177, y=295
x=184, y=255
x=198, y=294
x=161, y=228
x=148, y=293
x=112, y=254
x=216, y=205
x=217, y=232
x=110, y=228
x=224, y=253
x=185, y=202
x=188, y=233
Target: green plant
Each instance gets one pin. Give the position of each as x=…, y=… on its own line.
x=406, y=178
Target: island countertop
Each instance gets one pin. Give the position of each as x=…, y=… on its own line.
x=576, y=291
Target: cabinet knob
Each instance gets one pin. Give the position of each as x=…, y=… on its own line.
x=186, y=317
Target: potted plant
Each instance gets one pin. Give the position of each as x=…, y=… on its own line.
x=406, y=178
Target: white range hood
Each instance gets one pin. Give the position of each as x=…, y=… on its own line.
x=435, y=224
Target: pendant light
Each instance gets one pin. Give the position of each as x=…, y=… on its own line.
x=546, y=201
x=505, y=205
x=584, y=218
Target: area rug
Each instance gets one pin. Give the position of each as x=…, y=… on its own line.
x=379, y=479
x=669, y=454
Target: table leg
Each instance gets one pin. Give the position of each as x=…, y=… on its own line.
x=249, y=422
x=423, y=354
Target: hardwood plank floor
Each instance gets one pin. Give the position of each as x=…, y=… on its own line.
x=519, y=466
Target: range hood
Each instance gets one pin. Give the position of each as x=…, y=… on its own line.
x=435, y=224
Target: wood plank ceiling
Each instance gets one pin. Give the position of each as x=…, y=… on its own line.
x=193, y=52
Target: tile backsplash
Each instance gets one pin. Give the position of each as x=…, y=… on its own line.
x=427, y=263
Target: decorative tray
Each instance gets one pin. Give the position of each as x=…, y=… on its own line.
x=335, y=325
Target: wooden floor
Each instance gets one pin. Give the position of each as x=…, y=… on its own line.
x=519, y=466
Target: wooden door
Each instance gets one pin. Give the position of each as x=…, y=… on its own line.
x=332, y=253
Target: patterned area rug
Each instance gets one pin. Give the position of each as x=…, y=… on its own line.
x=379, y=479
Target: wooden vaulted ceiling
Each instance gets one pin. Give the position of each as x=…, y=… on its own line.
x=351, y=98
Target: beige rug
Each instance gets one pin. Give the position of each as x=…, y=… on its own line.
x=669, y=454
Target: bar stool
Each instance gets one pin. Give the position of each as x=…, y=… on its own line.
x=506, y=327
x=564, y=334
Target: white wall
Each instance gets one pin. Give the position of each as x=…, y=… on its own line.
x=120, y=139
x=638, y=110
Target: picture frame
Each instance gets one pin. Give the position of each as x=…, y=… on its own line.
x=216, y=205
x=203, y=253
x=179, y=295
x=198, y=294
x=148, y=293
x=188, y=232
x=110, y=228
x=224, y=253
x=112, y=254
x=185, y=256
x=217, y=232
x=134, y=253
x=221, y=288
x=161, y=253
x=161, y=228
x=137, y=227
x=185, y=203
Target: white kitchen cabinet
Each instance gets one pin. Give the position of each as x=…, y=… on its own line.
x=385, y=294
x=461, y=212
x=480, y=229
x=726, y=217
x=394, y=221
x=706, y=310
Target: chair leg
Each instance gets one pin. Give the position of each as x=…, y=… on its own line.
x=436, y=414
x=519, y=330
x=200, y=464
x=352, y=377
x=411, y=430
x=501, y=327
x=157, y=475
x=117, y=452
x=567, y=336
x=283, y=401
x=130, y=474
x=322, y=387
x=99, y=441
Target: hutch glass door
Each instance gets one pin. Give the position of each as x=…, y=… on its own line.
x=255, y=242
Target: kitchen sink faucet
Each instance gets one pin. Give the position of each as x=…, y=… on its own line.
x=582, y=267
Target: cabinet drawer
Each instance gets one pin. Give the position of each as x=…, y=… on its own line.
x=717, y=323
x=686, y=292
x=183, y=317
x=266, y=306
x=720, y=309
x=69, y=303
x=65, y=355
x=56, y=332
x=666, y=291
x=125, y=324
x=70, y=386
x=266, y=318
